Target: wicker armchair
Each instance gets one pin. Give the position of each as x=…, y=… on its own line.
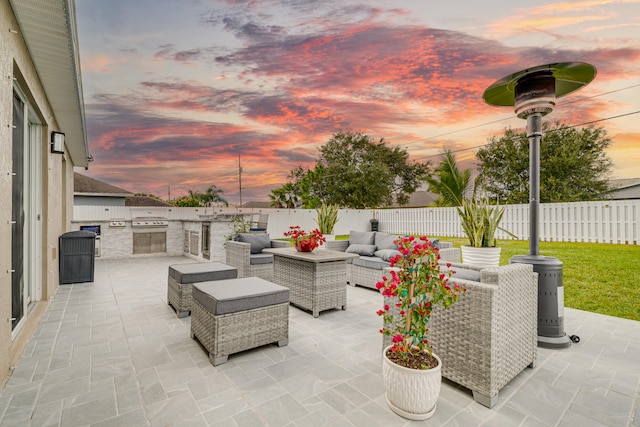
x=238, y=255
x=490, y=335
x=368, y=277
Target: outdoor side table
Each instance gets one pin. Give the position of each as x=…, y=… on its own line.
x=182, y=276
x=317, y=279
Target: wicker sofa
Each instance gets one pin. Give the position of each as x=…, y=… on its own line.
x=375, y=248
x=490, y=335
x=245, y=254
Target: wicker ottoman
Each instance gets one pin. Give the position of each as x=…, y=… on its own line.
x=229, y=316
x=182, y=276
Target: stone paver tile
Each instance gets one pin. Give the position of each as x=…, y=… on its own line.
x=281, y=410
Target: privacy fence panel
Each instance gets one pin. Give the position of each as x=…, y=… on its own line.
x=603, y=222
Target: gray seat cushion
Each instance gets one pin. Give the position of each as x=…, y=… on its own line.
x=370, y=262
x=231, y=296
x=256, y=259
x=385, y=241
x=201, y=272
x=362, y=238
x=258, y=242
x=463, y=273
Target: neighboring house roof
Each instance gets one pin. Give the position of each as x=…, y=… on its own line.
x=623, y=189
x=87, y=186
x=144, y=201
x=418, y=199
x=619, y=184
x=49, y=30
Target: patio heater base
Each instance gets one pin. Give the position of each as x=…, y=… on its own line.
x=550, y=300
x=554, y=342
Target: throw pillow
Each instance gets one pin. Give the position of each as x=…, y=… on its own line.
x=258, y=242
x=363, y=250
x=385, y=241
x=386, y=254
x=362, y=237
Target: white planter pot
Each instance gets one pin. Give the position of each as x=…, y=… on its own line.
x=411, y=393
x=482, y=257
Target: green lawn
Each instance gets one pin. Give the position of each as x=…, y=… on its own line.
x=597, y=277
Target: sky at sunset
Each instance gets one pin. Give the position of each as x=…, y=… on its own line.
x=176, y=90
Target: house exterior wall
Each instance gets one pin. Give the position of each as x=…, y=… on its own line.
x=626, y=193
x=16, y=66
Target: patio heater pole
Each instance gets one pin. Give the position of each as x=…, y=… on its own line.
x=533, y=92
x=534, y=133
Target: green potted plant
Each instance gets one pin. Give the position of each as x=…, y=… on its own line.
x=480, y=221
x=410, y=370
x=327, y=219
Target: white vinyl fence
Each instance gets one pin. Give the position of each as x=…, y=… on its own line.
x=602, y=222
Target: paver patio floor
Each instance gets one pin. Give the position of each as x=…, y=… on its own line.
x=113, y=353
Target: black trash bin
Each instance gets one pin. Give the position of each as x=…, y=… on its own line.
x=77, y=256
x=374, y=224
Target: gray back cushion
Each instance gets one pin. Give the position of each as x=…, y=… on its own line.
x=258, y=242
x=362, y=238
x=386, y=254
x=364, y=250
x=385, y=241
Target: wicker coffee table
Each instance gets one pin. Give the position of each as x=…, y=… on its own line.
x=317, y=280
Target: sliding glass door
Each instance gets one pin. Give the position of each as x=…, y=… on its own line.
x=26, y=210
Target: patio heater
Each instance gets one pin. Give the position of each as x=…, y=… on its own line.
x=533, y=93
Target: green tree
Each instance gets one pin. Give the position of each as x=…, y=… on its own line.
x=360, y=173
x=449, y=182
x=284, y=197
x=211, y=196
x=573, y=165
x=185, y=202
x=304, y=188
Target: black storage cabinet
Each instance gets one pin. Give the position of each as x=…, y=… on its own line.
x=77, y=256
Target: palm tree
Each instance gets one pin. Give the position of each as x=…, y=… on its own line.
x=284, y=197
x=213, y=195
x=451, y=182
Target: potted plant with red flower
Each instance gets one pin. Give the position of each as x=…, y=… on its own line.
x=411, y=372
x=303, y=241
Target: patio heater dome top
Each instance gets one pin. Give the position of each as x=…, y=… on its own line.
x=535, y=90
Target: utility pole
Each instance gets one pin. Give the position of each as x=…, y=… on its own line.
x=169, y=191
x=240, y=179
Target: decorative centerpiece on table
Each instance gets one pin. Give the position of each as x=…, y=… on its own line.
x=410, y=370
x=303, y=241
